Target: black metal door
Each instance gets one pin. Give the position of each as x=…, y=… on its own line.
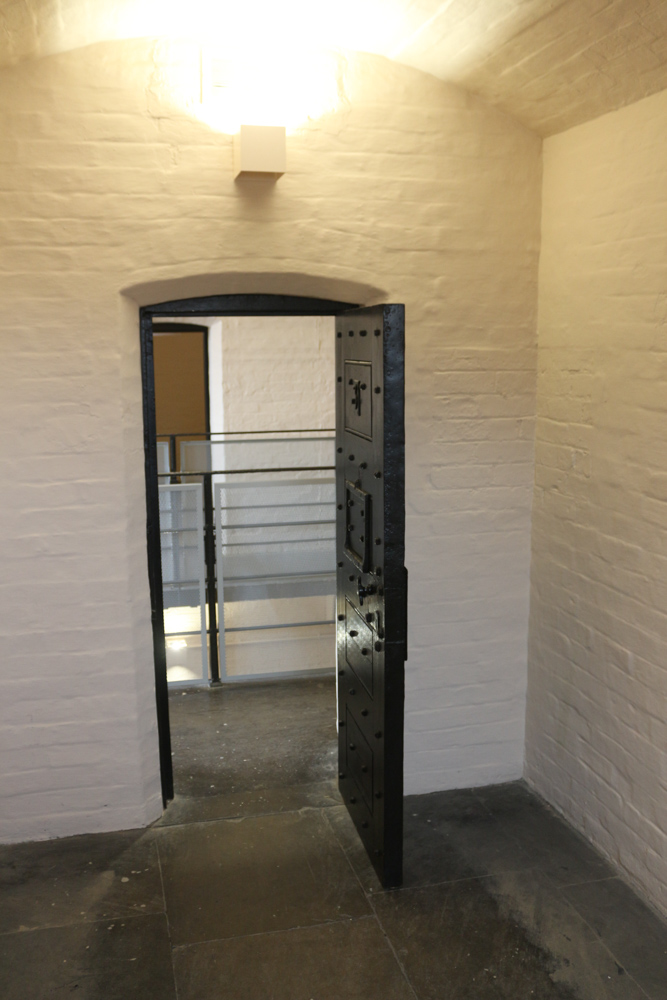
x=372, y=580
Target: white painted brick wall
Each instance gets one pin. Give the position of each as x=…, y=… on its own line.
x=413, y=189
x=278, y=372
x=596, y=727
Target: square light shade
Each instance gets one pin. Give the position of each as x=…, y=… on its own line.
x=260, y=150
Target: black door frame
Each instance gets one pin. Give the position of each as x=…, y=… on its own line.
x=213, y=305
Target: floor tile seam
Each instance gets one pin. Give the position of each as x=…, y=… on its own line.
x=166, y=915
x=336, y=838
x=621, y=965
x=272, y=933
x=83, y=923
x=601, y=941
x=369, y=900
x=239, y=817
x=588, y=881
x=452, y=881
x=390, y=944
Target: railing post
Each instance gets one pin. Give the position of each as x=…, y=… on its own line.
x=211, y=594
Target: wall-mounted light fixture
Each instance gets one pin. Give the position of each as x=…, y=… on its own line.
x=260, y=151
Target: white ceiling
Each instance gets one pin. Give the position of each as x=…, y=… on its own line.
x=550, y=63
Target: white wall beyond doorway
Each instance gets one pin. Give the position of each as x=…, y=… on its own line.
x=273, y=373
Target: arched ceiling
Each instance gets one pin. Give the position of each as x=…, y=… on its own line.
x=551, y=64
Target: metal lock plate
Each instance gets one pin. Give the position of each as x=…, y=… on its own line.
x=358, y=526
x=358, y=388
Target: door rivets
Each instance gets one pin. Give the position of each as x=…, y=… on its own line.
x=369, y=616
x=377, y=389
x=363, y=465
x=353, y=746
x=364, y=712
x=378, y=646
x=364, y=651
x=377, y=332
x=352, y=800
x=341, y=723
x=351, y=457
x=378, y=735
x=340, y=378
x=378, y=795
x=378, y=541
x=340, y=506
x=351, y=333
x=378, y=570
x=365, y=824
x=362, y=333
x=340, y=565
x=351, y=579
x=378, y=475
x=341, y=618
x=339, y=450
x=354, y=631
x=352, y=691
x=341, y=774
x=339, y=334
x=341, y=673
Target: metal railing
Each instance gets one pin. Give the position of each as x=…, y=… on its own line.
x=264, y=537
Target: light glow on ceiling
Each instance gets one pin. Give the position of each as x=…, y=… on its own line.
x=265, y=87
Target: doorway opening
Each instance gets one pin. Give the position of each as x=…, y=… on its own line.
x=206, y=507
x=234, y=529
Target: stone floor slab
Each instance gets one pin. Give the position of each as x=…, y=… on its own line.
x=350, y=960
x=631, y=931
x=258, y=874
x=109, y=960
x=73, y=879
x=458, y=941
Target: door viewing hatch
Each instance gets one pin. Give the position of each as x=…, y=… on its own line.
x=371, y=577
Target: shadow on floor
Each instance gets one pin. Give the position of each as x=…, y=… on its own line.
x=254, y=886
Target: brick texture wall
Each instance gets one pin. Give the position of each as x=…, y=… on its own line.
x=412, y=189
x=596, y=727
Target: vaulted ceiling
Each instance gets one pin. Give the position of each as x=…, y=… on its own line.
x=550, y=63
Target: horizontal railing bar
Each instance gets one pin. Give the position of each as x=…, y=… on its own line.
x=270, y=506
x=267, y=484
x=212, y=434
x=255, y=628
x=265, y=440
x=280, y=578
x=271, y=524
x=278, y=541
x=247, y=472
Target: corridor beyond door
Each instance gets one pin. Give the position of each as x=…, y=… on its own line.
x=245, y=444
